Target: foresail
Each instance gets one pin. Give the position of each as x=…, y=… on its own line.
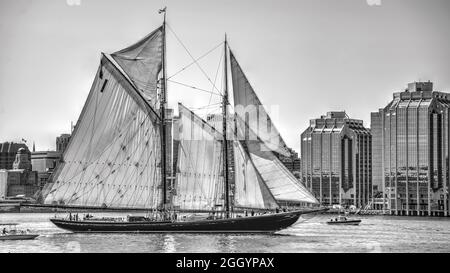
x=250, y=109
x=250, y=190
x=113, y=158
x=142, y=62
x=199, y=176
x=282, y=184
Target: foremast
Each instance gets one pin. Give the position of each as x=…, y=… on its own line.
x=163, y=101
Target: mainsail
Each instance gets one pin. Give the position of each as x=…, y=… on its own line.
x=249, y=108
x=199, y=177
x=114, y=156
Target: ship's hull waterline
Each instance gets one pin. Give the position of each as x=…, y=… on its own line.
x=254, y=224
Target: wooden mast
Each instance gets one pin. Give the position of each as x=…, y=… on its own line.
x=224, y=131
x=163, y=114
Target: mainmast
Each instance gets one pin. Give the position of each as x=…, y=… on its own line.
x=163, y=114
x=224, y=130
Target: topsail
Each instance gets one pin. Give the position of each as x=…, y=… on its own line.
x=142, y=62
x=249, y=108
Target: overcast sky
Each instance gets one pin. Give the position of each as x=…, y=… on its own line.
x=305, y=56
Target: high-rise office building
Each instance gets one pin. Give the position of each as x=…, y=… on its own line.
x=336, y=160
x=411, y=151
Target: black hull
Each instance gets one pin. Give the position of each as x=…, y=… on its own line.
x=253, y=224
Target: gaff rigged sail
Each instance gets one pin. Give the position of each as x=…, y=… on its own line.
x=113, y=158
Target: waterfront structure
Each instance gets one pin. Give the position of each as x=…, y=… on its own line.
x=411, y=151
x=8, y=151
x=45, y=163
x=336, y=160
x=61, y=142
x=20, y=180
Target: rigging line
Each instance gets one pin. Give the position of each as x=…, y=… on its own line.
x=196, y=60
x=215, y=77
x=198, y=65
x=193, y=87
x=214, y=105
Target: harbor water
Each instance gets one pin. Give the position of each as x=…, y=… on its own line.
x=309, y=234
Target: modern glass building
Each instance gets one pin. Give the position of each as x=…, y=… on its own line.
x=336, y=160
x=410, y=151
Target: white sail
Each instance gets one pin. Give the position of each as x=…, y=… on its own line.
x=282, y=184
x=142, y=63
x=250, y=189
x=113, y=158
x=249, y=108
x=199, y=178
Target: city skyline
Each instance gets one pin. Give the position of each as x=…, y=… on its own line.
x=53, y=49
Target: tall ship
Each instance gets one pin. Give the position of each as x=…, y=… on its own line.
x=230, y=175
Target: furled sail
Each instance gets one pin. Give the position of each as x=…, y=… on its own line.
x=142, y=62
x=250, y=189
x=199, y=177
x=279, y=180
x=250, y=109
x=113, y=158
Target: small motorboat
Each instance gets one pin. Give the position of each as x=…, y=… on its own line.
x=342, y=220
x=10, y=232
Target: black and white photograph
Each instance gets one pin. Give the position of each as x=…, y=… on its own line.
x=224, y=127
